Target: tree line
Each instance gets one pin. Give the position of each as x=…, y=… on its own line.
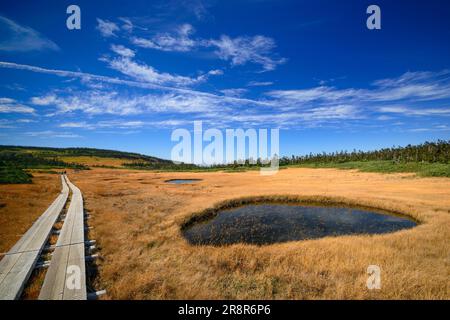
x=431, y=152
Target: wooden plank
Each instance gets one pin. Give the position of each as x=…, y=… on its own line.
x=66, y=276
x=17, y=265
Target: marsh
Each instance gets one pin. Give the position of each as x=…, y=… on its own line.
x=271, y=223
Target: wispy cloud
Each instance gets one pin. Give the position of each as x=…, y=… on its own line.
x=241, y=50
x=18, y=38
x=178, y=41
x=287, y=108
x=122, y=51
x=234, y=92
x=51, y=134
x=77, y=125
x=420, y=86
x=432, y=128
x=8, y=105
x=88, y=77
x=259, y=83
x=6, y=124
x=415, y=111
x=127, y=24
x=107, y=28
x=7, y=100
x=145, y=73
x=111, y=102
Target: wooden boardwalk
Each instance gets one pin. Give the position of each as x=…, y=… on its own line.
x=66, y=277
x=17, y=265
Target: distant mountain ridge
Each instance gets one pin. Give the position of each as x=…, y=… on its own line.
x=48, y=152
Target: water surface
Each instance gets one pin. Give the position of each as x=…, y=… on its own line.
x=271, y=223
x=182, y=181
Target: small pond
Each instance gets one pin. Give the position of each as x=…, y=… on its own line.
x=183, y=181
x=271, y=223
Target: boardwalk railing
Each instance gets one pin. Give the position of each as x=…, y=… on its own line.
x=17, y=265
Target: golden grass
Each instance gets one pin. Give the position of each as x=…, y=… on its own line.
x=33, y=288
x=22, y=204
x=137, y=219
x=96, y=161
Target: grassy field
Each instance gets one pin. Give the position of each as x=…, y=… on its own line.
x=22, y=204
x=10, y=175
x=94, y=161
x=421, y=169
x=137, y=219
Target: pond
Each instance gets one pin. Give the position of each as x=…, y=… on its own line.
x=183, y=181
x=271, y=223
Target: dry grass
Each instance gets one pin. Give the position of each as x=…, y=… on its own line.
x=33, y=288
x=137, y=219
x=22, y=204
x=96, y=161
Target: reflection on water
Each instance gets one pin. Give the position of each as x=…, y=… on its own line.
x=183, y=181
x=271, y=223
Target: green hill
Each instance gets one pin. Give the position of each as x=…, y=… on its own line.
x=17, y=162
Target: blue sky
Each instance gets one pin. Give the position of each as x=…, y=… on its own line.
x=137, y=70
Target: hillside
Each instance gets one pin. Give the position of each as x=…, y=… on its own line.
x=17, y=163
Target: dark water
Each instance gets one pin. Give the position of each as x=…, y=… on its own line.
x=271, y=223
x=183, y=181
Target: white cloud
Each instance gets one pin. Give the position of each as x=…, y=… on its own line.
x=6, y=124
x=96, y=102
x=18, y=38
x=235, y=92
x=81, y=125
x=216, y=72
x=115, y=81
x=289, y=108
x=107, y=28
x=25, y=120
x=9, y=105
x=178, y=41
x=259, y=83
x=51, y=134
x=127, y=24
x=313, y=94
x=146, y=73
x=384, y=118
x=7, y=100
x=123, y=51
x=415, y=111
x=432, y=128
x=418, y=86
x=17, y=108
x=241, y=50
x=44, y=100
